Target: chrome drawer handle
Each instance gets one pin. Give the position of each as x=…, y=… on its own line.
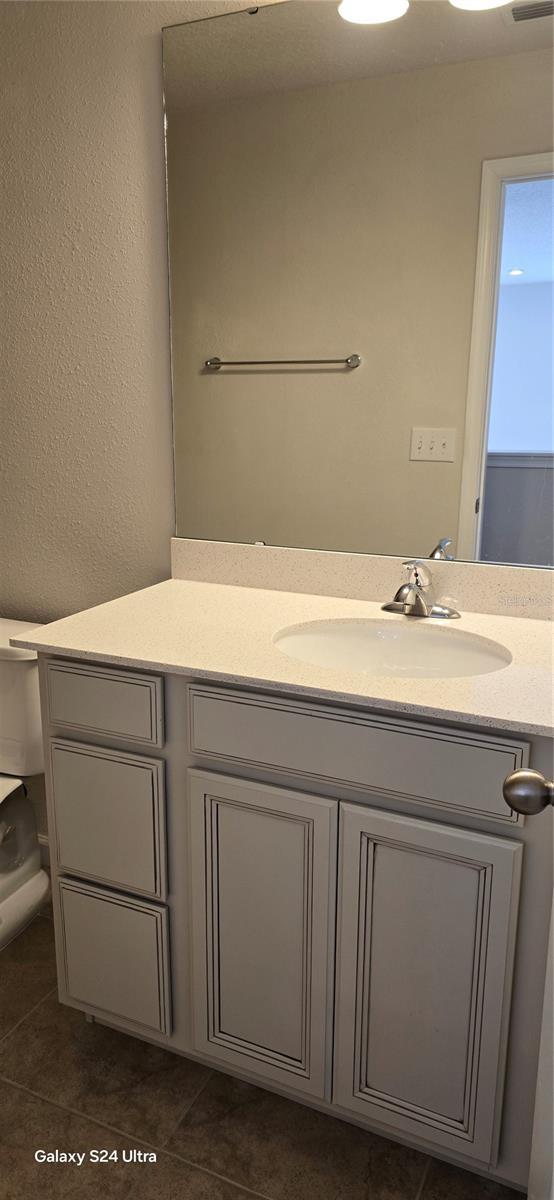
x=528, y=792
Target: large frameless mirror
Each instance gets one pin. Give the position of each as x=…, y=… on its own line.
x=360, y=236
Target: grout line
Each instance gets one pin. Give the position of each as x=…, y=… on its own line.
x=242, y=1187
x=27, y=1014
x=134, y=1139
x=187, y=1109
x=421, y=1189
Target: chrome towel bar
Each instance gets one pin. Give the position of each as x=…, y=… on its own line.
x=353, y=360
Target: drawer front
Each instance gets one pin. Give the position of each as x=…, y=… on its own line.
x=450, y=771
x=114, y=703
x=116, y=955
x=109, y=810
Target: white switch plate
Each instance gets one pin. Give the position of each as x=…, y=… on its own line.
x=433, y=445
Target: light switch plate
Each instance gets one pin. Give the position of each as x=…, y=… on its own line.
x=433, y=445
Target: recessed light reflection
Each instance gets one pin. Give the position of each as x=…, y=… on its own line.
x=372, y=12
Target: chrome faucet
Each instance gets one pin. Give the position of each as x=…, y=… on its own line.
x=415, y=597
x=440, y=551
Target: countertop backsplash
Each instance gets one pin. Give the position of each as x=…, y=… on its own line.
x=471, y=587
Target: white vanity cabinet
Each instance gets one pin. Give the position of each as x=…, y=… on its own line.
x=323, y=900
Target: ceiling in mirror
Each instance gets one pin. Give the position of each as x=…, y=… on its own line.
x=232, y=58
x=324, y=187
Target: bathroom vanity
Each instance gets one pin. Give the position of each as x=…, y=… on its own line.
x=323, y=894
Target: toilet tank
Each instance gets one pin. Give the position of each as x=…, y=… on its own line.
x=20, y=731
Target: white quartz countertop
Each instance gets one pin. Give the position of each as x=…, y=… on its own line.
x=222, y=633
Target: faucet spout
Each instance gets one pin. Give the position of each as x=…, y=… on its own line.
x=415, y=598
x=440, y=551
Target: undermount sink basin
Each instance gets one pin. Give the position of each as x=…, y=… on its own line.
x=407, y=648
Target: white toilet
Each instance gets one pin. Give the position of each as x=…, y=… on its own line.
x=24, y=886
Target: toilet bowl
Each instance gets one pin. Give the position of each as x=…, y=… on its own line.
x=24, y=886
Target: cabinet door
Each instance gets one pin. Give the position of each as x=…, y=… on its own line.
x=263, y=866
x=426, y=936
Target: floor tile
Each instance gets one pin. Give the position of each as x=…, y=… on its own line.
x=27, y=972
x=445, y=1182
x=168, y=1180
x=285, y=1150
x=29, y=1124
x=138, y=1088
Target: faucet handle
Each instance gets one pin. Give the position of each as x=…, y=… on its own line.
x=418, y=573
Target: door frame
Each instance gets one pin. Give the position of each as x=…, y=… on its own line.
x=496, y=172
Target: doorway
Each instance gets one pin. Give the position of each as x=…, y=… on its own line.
x=508, y=474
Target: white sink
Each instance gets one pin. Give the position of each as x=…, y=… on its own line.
x=408, y=647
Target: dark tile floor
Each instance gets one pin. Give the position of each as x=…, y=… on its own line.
x=73, y=1086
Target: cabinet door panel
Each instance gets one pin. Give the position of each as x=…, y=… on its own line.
x=426, y=932
x=255, y=847
x=262, y=863
x=423, y=959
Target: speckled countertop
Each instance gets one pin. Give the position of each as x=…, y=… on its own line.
x=223, y=633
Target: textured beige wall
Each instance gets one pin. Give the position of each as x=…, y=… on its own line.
x=335, y=220
x=87, y=488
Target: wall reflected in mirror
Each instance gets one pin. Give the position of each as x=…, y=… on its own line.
x=324, y=191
